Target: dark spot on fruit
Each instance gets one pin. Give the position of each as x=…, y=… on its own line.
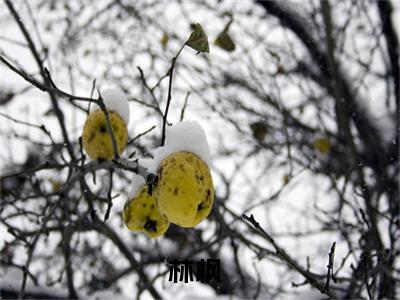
x=200, y=206
x=208, y=194
x=201, y=178
x=176, y=191
x=152, y=206
x=103, y=129
x=150, y=225
x=144, y=205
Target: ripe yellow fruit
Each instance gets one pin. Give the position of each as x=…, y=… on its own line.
x=164, y=40
x=141, y=213
x=55, y=185
x=323, y=145
x=286, y=179
x=185, y=190
x=97, y=141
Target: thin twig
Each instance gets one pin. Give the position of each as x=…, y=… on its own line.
x=109, y=198
x=150, y=90
x=91, y=94
x=109, y=127
x=330, y=266
x=46, y=80
x=170, y=72
x=184, y=106
x=284, y=256
x=41, y=127
x=141, y=134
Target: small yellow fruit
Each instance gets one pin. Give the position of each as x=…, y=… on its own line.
x=55, y=185
x=164, y=40
x=185, y=190
x=97, y=141
x=286, y=179
x=323, y=145
x=141, y=213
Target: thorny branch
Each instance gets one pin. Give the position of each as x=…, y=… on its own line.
x=287, y=258
x=330, y=273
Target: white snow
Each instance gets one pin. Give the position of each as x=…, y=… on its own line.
x=309, y=294
x=115, y=100
x=105, y=295
x=183, y=136
x=139, y=181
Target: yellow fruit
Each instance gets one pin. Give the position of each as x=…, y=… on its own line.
x=185, y=190
x=164, y=40
x=141, y=213
x=97, y=141
x=286, y=179
x=322, y=145
x=55, y=185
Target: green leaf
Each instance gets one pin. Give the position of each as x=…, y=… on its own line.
x=225, y=42
x=260, y=130
x=198, y=39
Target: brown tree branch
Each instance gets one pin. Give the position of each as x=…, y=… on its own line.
x=289, y=260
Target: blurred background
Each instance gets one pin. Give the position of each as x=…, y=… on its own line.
x=300, y=104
